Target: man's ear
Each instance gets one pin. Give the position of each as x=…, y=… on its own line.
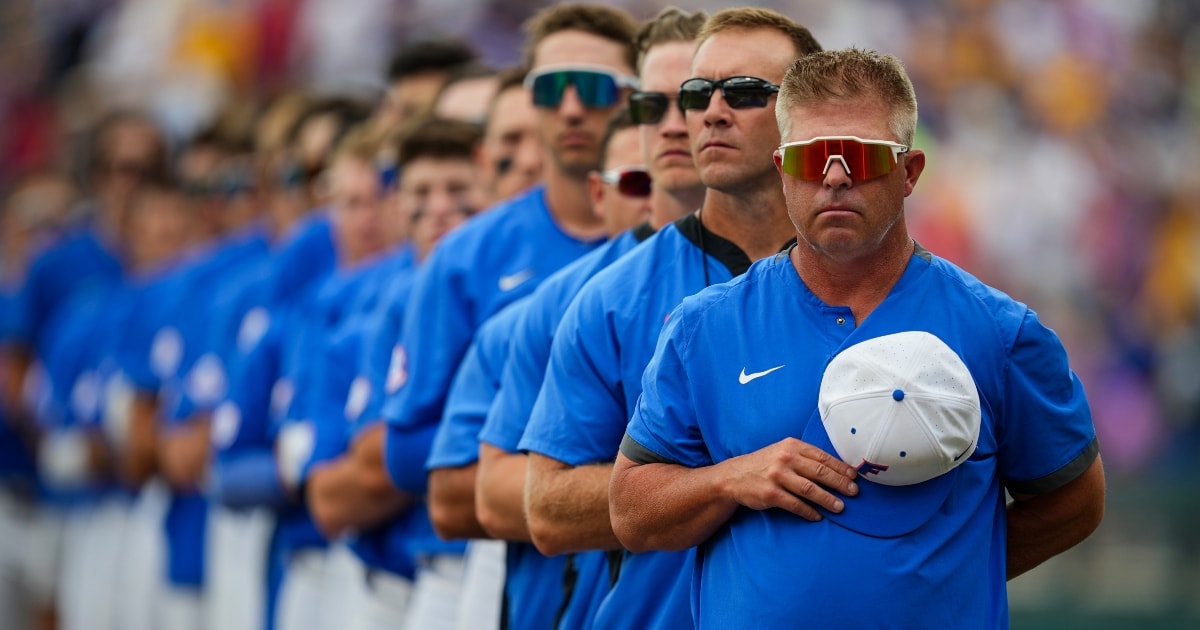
x=596, y=191
x=914, y=165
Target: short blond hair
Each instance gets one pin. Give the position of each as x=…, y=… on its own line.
x=748, y=18
x=836, y=75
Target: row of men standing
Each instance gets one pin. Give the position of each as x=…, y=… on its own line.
x=298, y=401
x=324, y=419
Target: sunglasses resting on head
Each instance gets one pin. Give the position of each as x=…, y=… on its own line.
x=597, y=86
x=631, y=181
x=809, y=160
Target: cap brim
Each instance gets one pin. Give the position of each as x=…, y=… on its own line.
x=879, y=510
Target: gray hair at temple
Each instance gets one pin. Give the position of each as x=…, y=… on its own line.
x=841, y=75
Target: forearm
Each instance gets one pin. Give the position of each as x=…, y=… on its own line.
x=19, y=358
x=363, y=492
x=567, y=506
x=140, y=460
x=500, y=494
x=183, y=452
x=342, y=496
x=1045, y=525
x=666, y=507
x=452, y=502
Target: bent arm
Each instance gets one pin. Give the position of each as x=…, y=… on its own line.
x=665, y=507
x=452, y=502
x=354, y=491
x=139, y=462
x=669, y=507
x=500, y=494
x=567, y=506
x=1044, y=525
x=183, y=452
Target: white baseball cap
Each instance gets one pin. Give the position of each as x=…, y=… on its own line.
x=904, y=410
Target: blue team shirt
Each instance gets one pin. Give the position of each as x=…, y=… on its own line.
x=483, y=265
x=381, y=355
x=535, y=583
x=362, y=348
x=474, y=389
x=593, y=379
x=78, y=260
x=1036, y=435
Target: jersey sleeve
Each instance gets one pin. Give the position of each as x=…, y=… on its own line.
x=457, y=440
x=1047, y=438
x=520, y=380
x=579, y=415
x=434, y=336
x=664, y=426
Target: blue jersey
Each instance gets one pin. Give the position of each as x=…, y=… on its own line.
x=184, y=333
x=381, y=358
x=362, y=349
x=244, y=467
x=534, y=583
x=1036, y=435
x=593, y=379
x=216, y=328
x=489, y=262
x=306, y=253
x=80, y=259
x=200, y=381
x=474, y=389
x=76, y=350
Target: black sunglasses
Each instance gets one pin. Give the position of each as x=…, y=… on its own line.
x=649, y=108
x=739, y=92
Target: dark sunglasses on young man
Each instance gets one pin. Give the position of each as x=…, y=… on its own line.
x=809, y=160
x=631, y=181
x=649, y=108
x=597, y=86
x=738, y=92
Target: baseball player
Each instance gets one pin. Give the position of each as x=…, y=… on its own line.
x=866, y=406
x=665, y=49
x=607, y=334
x=580, y=60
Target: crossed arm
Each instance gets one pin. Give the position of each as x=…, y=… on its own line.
x=452, y=498
x=567, y=506
x=354, y=490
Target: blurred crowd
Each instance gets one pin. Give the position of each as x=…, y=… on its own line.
x=184, y=164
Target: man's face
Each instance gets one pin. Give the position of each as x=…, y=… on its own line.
x=668, y=154
x=512, y=149
x=619, y=210
x=733, y=147
x=435, y=196
x=840, y=216
x=356, y=197
x=572, y=131
x=160, y=226
x=131, y=152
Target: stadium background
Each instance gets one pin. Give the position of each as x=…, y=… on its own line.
x=1063, y=137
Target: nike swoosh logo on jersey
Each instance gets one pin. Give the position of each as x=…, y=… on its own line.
x=744, y=378
x=510, y=282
